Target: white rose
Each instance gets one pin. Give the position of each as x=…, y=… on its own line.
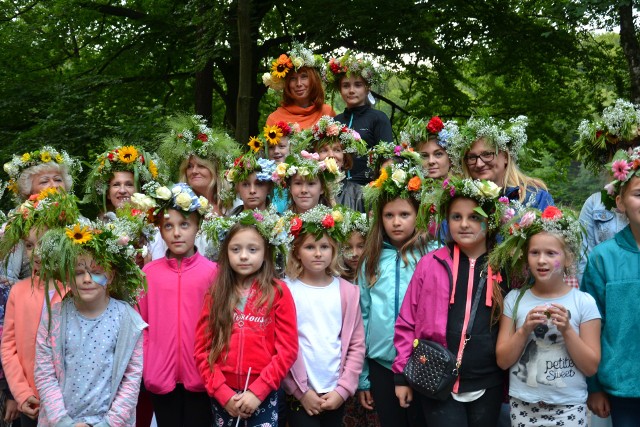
x=7, y=167
x=331, y=165
x=163, y=193
x=204, y=205
x=184, y=201
x=399, y=176
x=297, y=62
x=266, y=79
x=490, y=189
x=231, y=174
x=304, y=172
x=142, y=201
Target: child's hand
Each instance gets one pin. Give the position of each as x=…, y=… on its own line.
x=404, y=395
x=366, y=400
x=247, y=404
x=599, y=404
x=536, y=316
x=231, y=406
x=31, y=407
x=331, y=401
x=560, y=316
x=312, y=403
x=11, y=410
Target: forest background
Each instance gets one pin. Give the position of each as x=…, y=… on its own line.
x=74, y=72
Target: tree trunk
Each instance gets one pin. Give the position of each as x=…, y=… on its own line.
x=246, y=74
x=204, y=92
x=631, y=48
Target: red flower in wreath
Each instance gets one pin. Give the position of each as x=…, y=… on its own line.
x=551, y=213
x=203, y=137
x=296, y=226
x=328, y=221
x=435, y=125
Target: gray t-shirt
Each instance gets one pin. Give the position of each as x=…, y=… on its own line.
x=88, y=362
x=545, y=372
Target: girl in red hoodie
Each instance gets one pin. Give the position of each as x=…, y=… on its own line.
x=246, y=338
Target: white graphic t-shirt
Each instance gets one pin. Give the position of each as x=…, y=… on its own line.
x=545, y=371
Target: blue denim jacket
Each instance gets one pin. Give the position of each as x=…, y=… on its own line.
x=600, y=225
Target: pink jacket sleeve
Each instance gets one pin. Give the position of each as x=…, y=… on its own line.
x=352, y=365
x=405, y=331
x=13, y=370
x=124, y=402
x=212, y=377
x=51, y=402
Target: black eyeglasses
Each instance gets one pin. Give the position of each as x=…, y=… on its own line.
x=486, y=157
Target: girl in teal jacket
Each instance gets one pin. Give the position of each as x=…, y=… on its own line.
x=394, y=246
x=612, y=276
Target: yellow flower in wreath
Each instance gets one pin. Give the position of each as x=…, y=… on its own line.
x=153, y=169
x=272, y=134
x=79, y=235
x=25, y=157
x=128, y=154
x=45, y=156
x=255, y=144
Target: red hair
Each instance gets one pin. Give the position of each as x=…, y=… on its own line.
x=316, y=91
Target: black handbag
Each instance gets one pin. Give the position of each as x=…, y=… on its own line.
x=432, y=369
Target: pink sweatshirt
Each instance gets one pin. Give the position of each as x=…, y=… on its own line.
x=171, y=307
x=21, y=321
x=353, y=349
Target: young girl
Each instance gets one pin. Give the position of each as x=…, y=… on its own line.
x=356, y=228
x=309, y=179
x=445, y=287
x=332, y=351
x=178, y=283
x=51, y=208
x=332, y=139
x=354, y=77
x=277, y=149
x=611, y=277
x=549, y=337
x=246, y=335
x=89, y=347
x=431, y=140
x=252, y=180
x=393, y=248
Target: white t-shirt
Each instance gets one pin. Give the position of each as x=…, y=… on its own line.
x=319, y=312
x=545, y=372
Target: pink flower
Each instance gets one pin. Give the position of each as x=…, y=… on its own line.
x=508, y=214
x=306, y=155
x=452, y=191
x=258, y=216
x=445, y=183
x=397, y=150
x=356, y=135
x=504, y=200
x=610, y=188
x=620, y=169
x=123, y=240
x=527, y=219
x=333, y=130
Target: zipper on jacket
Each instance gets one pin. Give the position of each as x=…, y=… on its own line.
x=179, y=376
x=397, y=298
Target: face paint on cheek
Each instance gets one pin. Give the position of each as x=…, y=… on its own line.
x=101, y=279
x=557, y=266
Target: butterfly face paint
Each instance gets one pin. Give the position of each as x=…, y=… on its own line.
x=99, y=278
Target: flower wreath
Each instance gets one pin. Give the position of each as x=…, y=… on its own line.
x=599, y=139
x=348, y=65
x=354, y=221
x=44, y=155
x=328, y=130
x=145, y=167
x=394, y=182
x=403, y=153
x=247, y=164
x=189, y=135
x=110, y=244
x=157, y=198
x=491, y=206
x=307, y=165
x=416, y=131
x=273, y=133
x=511, y=136
x=623, y=167
x=52, y=207
x=271, y=226
x=510, y=254
x=298, y=57
x=319, y=220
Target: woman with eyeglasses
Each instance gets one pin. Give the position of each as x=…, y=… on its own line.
x=488, y=149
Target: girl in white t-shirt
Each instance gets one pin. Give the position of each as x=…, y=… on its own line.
x=549, y=335
x=330, y=331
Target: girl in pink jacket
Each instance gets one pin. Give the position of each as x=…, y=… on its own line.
x=330, y=329
x=177, y=284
